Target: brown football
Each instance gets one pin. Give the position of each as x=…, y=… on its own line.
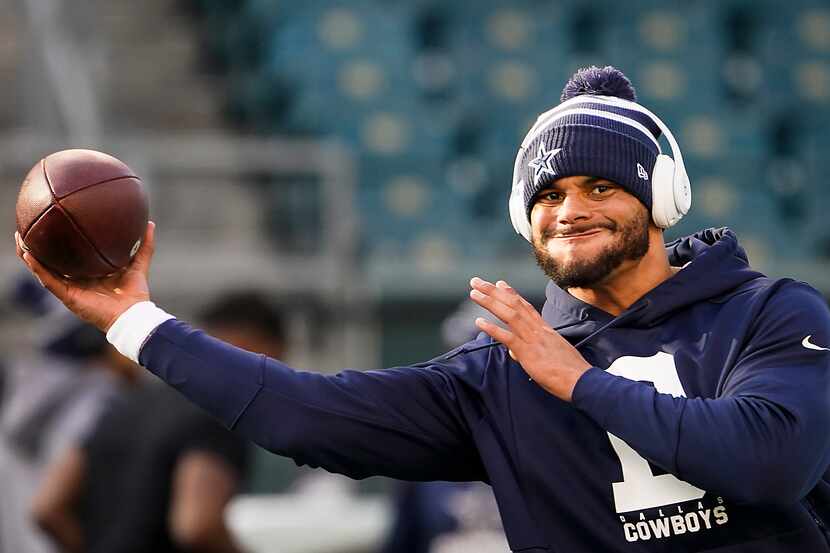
x=82, y=213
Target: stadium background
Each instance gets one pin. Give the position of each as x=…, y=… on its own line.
x=354, y=158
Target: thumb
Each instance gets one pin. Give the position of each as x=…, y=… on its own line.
x=144, y=256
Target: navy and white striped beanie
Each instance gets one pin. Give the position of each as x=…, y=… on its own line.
x=593, y=138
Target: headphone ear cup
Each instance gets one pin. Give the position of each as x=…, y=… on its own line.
x=663, y=208
x=682, y=194
x=518, y=216
x=516, y=207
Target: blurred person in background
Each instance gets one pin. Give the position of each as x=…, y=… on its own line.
x=448, y=517
x=54, y=395
x=158, y=484
x=668, y=398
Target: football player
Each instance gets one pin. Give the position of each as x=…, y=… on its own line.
x=669, y=398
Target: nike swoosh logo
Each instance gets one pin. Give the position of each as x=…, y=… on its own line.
x=809, y=345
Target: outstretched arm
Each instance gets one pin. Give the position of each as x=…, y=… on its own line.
x=405, y=423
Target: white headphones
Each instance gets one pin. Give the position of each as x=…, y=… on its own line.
x=671, y=192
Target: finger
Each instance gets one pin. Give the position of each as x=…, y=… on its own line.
x=144, y=256
x=20, y=243
x=518, y=302
x=17, y=245
x=55, y=284
x=497, y=333
x=484, y=285
x=506, y=304
x=509, y=316
x=507, y=291
x=527, y=307
x=504, y=312
x=500, y=290
x=478, y=283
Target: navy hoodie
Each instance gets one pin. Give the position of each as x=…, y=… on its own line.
x=704, y=424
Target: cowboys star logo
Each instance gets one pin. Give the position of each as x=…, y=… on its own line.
x=542, y=163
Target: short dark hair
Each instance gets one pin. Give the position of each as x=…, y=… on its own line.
x=249, y=308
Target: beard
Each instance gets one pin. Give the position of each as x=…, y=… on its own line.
x=630, y=242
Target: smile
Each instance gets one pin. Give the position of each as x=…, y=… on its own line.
x=578, y=236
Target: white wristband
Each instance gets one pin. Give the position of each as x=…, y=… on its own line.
x=132, y=328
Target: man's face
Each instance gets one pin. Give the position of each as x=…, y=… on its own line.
x=584, y=228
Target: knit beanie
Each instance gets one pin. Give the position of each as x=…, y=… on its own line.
x=592, y=138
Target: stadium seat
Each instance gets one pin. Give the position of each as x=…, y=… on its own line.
x=435, y=98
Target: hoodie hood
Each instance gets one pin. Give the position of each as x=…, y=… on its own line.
x=715, y=267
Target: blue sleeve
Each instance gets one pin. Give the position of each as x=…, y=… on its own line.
x=765, y=439
x=405, y=423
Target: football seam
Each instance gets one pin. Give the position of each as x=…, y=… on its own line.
x=77, y=227
x=40, y=215
x=84, y=187
x=36, y=219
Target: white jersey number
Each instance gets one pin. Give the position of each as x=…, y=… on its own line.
x=640, y=489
